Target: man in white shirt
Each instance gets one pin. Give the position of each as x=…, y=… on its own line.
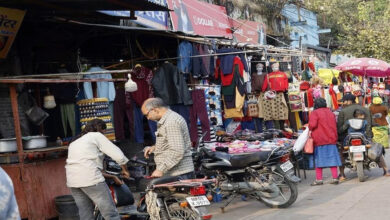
x=84, y=168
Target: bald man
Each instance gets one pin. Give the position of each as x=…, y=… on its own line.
x=172, y=152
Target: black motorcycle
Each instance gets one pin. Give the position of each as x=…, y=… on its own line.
x=359, y=152
x=267, y=176
x=166, y=197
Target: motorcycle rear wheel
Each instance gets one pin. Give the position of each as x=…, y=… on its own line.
x=360, y=171
x=284, y=187
x=176, y=212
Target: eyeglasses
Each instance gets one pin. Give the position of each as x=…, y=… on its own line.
x=147, y=113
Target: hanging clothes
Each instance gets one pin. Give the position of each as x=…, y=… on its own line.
x=198, y=68
x=239, y=104
x=68, y=117
x=198, y=111
x=206, y=60
x=123, y=109
x=142, y=76
x=104, y=89
x=227, y=79
x=184, y=51
x=170, y=85
x=227, y=60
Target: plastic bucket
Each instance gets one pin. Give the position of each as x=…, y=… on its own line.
x=66, y=208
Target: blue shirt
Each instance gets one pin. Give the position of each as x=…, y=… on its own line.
x=184, y=51
x=8, y=206
x=104, y=89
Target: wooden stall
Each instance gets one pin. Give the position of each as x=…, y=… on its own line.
x=38, y=182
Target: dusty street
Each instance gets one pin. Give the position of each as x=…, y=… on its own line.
x=348, y=200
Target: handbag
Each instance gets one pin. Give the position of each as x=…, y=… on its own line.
x=253, y=107
x=309, y=146
x=36, y=114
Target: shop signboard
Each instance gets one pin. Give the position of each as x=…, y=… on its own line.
x=151, y=19
x=10, y=21
x=249, y=32
x=199, y=18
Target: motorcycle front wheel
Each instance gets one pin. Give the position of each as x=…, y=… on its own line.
x=280, y=193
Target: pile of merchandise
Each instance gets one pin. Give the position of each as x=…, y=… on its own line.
x=97, y=108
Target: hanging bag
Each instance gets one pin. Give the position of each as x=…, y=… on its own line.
x=309, y=145
x=253, y=107
x=36, y=114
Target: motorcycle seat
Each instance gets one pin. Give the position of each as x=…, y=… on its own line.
x=243, y=160
x=164, y=179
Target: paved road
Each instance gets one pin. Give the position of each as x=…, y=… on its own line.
x=348, y=200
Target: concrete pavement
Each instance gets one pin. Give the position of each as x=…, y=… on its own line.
x=348, y=200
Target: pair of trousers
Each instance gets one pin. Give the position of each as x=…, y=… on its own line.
x=259, y=124
x=333, y=170
x=182, y=110
x=68, y=117
x=99, y=194
x=139, y=125
x=199, y=110
x=123, y=109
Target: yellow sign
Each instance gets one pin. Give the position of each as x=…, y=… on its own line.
x=10, y=21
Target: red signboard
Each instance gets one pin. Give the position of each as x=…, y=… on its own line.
x=200, y=18
x=249, y=32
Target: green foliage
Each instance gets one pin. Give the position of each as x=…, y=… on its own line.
x=359, y=27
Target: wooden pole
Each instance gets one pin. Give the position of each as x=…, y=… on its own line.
x=18, y=131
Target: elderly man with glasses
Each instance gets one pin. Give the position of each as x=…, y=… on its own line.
x=172, y=152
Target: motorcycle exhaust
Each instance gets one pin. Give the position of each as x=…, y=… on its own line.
x=241, y=186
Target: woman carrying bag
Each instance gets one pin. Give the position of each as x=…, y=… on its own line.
x=322, y=124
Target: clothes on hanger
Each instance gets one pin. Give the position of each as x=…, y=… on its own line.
x=184, y=51
x=198, y=66
x=169, y=85
x=142, y=76
x=104, y=89
x=226, y=61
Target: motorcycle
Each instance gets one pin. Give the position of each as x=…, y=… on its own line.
x=267, y=176
x=359, y=152
x=164, y=198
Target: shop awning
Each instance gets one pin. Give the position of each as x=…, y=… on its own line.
x=84, y=5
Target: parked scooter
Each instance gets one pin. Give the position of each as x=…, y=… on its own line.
x=267, y=176
x=359, y=152
x=166, y=197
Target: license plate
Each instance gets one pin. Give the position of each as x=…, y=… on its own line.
x=286, y=166
x=358, y=156
x=360, y=148
x=197, y=201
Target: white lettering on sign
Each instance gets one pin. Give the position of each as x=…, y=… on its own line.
x=251, y=33
x=203, y=21
x=222, y=25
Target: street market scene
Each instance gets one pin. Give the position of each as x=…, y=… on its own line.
x=194, y=109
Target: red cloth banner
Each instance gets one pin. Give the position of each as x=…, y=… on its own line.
x=249, y=32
